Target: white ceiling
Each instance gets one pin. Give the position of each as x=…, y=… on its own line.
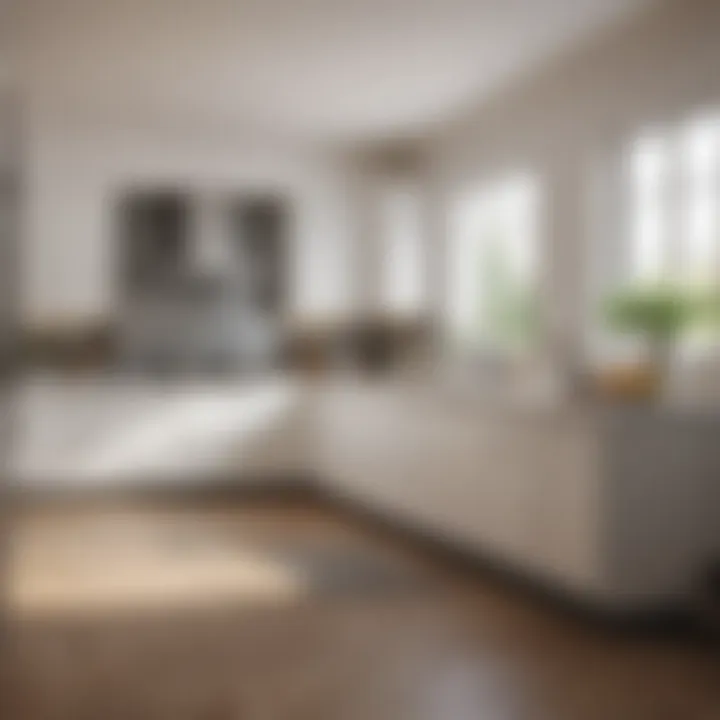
x=331, y=69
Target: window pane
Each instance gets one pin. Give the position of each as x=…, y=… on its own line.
x=493, y=271
x=700, y=157
x=650, y=254
x=467, y=219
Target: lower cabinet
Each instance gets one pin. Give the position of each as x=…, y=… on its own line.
x=523, y=489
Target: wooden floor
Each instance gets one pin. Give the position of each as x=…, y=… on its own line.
x=289, y=612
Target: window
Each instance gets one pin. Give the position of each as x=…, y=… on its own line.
x=402, y=281
x=493, y=270
x=674, y=218
x=673, y=177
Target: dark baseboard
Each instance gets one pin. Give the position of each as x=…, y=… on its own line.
x=219, y=490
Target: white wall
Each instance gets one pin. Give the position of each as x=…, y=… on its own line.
x=76, y=167
x=569, y=122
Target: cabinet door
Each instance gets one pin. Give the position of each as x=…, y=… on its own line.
x=522, y=489
x=566, y=524
x=467, y=479
x=360, y=439
x=441, y=469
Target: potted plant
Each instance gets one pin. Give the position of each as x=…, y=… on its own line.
x=659, y=314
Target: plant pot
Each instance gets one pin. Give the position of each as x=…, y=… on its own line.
x=638, y=382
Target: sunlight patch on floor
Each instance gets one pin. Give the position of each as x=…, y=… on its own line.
x=243, y=578
x=122, y=562
x=135, y=555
